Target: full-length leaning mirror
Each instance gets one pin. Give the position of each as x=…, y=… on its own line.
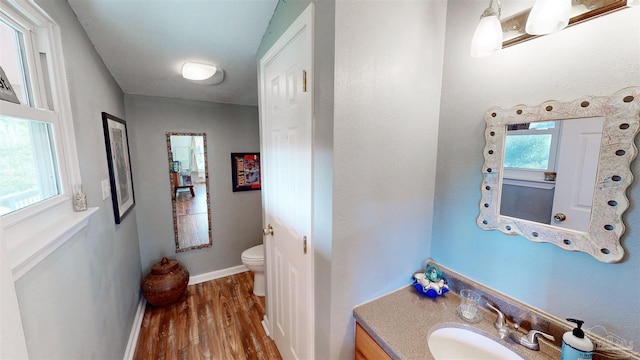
x=189, y=179
x=558, y=172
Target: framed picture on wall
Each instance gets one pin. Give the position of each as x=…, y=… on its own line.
x=119, y=162
x=245, y=171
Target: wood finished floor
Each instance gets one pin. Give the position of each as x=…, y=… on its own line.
x=218, y=319
x=192, y=217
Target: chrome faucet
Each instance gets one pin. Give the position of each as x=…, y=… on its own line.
x=528, y=340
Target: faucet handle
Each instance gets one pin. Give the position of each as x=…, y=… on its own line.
x=500, y=321
x=531, y=339
x=531, y=335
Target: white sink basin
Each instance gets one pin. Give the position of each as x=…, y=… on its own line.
x=458, y=343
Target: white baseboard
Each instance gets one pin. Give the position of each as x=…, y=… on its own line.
x=197, y=279
x=265, y=325
x=135, y=330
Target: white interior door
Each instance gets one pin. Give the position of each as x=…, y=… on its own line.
x=576, y=175
x=286, y=141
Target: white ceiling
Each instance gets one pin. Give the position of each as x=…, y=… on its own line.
x=145, y=43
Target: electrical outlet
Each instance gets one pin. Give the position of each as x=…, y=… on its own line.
x=106, y=189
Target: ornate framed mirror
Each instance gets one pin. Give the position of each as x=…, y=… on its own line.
x=189, y=179
x=558, y=172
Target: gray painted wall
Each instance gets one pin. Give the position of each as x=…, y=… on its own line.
x=80, y=302
x=236, y=216
x=580, y=60
x=527, y=203
x=387, y=96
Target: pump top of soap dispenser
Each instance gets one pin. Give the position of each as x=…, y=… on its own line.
x=577, y=332
x=576, y=346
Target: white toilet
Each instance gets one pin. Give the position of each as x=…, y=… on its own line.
x=253, y=258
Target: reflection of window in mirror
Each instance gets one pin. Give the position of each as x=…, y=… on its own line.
x=199, y=153
x=530, y=150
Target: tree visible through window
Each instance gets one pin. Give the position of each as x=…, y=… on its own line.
x=527, y=151
x=531, y=146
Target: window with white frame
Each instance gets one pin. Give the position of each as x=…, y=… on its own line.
x=38, y=158
x=530, y=151
x=27, y=147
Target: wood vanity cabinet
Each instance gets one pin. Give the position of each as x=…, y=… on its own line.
x=367, y=348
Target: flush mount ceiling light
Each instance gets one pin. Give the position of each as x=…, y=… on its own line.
x=195, y=71
x=548, y=16
x=202, y=73
x=487, y=38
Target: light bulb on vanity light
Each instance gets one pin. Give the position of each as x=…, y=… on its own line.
x=487, y=39
x=548, y=16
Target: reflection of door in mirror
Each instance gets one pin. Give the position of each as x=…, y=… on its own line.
x=577, y=167
x=550, y=171
x=187, y=153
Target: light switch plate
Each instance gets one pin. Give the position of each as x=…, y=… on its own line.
x=106, y=189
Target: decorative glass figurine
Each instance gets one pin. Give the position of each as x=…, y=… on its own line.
x=430, y=282
x=433, y=273
x=79, y=199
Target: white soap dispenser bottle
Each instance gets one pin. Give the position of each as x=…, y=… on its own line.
x=575, y=346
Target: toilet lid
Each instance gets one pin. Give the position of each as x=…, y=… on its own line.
x=254, y=253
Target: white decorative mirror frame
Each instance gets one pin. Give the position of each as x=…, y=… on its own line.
x=621, y=113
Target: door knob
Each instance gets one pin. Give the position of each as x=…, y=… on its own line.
x=268, y=230
x=559, y=217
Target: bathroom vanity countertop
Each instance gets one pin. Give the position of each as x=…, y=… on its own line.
x=400, y=322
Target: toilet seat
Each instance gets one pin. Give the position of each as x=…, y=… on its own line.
x=254, y=254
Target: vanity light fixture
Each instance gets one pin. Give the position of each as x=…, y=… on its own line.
x=202, y=73
x=487, y=38
x=548, y=16
x=524, y=26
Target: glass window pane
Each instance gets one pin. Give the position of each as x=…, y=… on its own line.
x=29, y=168
x=199, y=141
x=527, y=151
x=542, y=125
x=13, y=63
